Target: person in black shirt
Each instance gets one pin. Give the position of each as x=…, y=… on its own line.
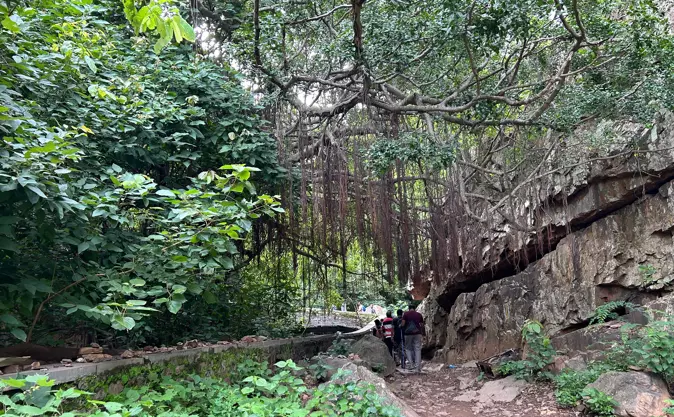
x=398, y=337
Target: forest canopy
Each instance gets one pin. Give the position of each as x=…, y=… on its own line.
x=177, y=169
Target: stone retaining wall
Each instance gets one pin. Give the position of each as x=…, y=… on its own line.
x=212, y=361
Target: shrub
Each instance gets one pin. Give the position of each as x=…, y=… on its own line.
x=654, y=348
x=599, y=403
x=259, y=394
x=569, y=384
x=340, y=347
x=540, y=355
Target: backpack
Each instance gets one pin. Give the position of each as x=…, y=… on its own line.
x=411, y=327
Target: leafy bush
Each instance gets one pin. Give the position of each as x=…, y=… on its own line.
x=259, y=394
x=320, y=370
x=599, y=403
x=569, y=384
x=340, y=347
x=540, y=354
x=654, y=348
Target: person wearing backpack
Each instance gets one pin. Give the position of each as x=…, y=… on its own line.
x=413, y=326
x=387, y=327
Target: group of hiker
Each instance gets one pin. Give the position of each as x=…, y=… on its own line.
x=403, y=335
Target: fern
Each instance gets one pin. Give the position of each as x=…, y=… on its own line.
x=607, y=311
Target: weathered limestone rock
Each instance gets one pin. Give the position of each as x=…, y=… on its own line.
x=588, y=268
x=500, y=390
x=566, y=201
x=638, y=394
x=375, y=355
x=359, y=373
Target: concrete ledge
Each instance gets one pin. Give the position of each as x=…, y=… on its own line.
x=272, y=350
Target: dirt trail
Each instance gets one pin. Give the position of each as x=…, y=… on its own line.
x=443, y=392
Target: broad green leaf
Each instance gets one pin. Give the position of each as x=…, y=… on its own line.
x=186, y=29
x=194, y=288
x=174, y=306
x=166, y=193
x=19, y=334
x=8, y=244
x=137, y=282
x=209, y=297
x=179, y=289
x=112, y=407
x=9, y=24
x=37, y=191
x=10, y=320
x=177, y=32
x=90, y=63
x=99, y=212
x=83, y=247
x=29, y=410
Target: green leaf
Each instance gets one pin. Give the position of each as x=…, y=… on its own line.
x=180, y=258
x=194, y=288
x=29, y=410
x=112, y=407
x=15, y=383
x=19, y=334
x=10, y=320
x=99, y=212
x=128, y=323
x=8, y=219
x=136, y=302
x=176, y=31
x=91, y=64
x=9, y=24
x=174, y=306
x=246, y=390
x=209, y=297
x=37, y=191
x=83, y=247
x=179, y=289
x=166, y=193
x=8, y=244
x=137, y=282
x=186, y=30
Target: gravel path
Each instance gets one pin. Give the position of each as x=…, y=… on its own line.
x=443, y=392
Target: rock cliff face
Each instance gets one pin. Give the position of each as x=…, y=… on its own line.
x=607, y=237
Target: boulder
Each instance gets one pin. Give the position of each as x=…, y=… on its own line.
x=588, y=268
x=360, y=373
x=501, y=390
x=555, y=207
x=333, y=364
x=374, y=353
x=638, y=394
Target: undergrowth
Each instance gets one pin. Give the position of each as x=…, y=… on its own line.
x=261, y=393
x=540, y=354
x=570, y=383
x=599, y=403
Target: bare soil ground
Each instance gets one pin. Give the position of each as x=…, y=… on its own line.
x=443, y=392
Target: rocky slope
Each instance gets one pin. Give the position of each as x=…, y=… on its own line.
x=607, y=236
